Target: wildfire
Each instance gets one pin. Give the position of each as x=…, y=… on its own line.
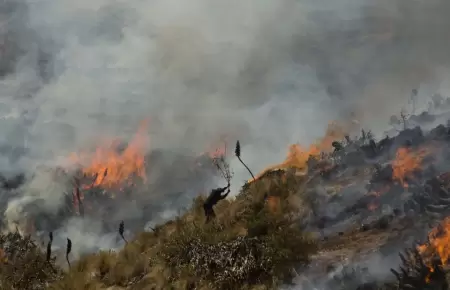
x=439, y=243
x=110, y=167
x=298, y=156
x=407, y=161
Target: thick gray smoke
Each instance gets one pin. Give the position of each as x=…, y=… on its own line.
x=267, y=72
x=259, y=71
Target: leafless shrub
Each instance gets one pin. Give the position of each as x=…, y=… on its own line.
x=219, y=160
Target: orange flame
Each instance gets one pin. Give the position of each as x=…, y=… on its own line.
x=439, y=243
x=298, y=156
x=439, y=238
x=406, y=163
x=111, y=168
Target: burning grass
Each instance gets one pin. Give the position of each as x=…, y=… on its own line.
x=110, y=166
x=298, y=156
x=407, y=161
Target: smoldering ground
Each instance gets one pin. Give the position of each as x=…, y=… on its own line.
x=269, y=73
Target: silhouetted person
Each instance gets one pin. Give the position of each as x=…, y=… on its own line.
x=214, y=197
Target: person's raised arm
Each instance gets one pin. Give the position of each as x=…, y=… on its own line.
x=226, y=194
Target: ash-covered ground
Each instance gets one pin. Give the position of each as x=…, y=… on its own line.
x=372, y=199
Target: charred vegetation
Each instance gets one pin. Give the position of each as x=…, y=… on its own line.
x=319, y=216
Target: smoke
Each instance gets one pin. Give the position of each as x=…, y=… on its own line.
x=259, y=71
x=269, y=73
x=43, y=193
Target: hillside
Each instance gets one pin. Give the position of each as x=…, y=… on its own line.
x=311, y=225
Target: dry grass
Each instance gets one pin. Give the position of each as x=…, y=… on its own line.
x=23, y=265
x=252, y=244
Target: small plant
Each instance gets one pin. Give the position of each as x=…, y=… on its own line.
x=68, y=250
x=49, y=246
x=237, y=152
x=24, y=265
x=121, y=231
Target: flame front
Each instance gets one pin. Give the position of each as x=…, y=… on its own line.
x=109, y=167
x=439, y=242
x=407, y=161
x=298, y=156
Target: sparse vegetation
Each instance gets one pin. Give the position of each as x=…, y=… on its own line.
x=252, y=243
x=258, y=240
x=23, y=265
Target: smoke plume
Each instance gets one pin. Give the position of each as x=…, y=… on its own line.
x=266, y=72
x=261, y=71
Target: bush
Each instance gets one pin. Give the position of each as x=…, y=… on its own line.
x=229, y=263
x=23, y=265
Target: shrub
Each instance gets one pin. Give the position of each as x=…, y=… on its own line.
x=24, y=265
